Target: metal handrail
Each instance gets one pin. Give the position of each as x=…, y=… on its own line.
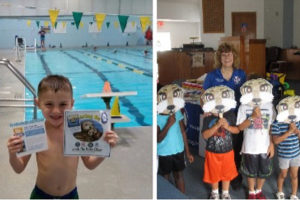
x=25, y=82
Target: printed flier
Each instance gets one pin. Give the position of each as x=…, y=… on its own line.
x=33, y=134
x=84, y=133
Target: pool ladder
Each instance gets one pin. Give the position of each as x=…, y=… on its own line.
x=25, y=82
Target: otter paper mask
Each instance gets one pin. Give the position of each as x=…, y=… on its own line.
x=170, y=99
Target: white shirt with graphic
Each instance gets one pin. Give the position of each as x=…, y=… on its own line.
x=256, y=136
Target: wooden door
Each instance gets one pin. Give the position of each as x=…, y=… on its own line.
x=244, y=24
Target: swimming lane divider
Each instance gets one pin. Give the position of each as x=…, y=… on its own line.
x=134, y=69
x=44, y=63
x=139, y=117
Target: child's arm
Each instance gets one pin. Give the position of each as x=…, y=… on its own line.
x=270, y=151
x=231, y=129
x=247, y=122
x=161, y=134
x=209, y=132
x=186, y=146
x=91, y=162
x=14, y=145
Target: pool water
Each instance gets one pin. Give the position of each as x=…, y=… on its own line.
x=127, y=69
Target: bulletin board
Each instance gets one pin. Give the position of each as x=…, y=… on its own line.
x=213, y=16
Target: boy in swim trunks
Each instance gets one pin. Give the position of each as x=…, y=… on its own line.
x=56, y=177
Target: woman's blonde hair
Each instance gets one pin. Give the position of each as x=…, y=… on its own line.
x=225, y=47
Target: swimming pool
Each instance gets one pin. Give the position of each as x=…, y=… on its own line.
x=127, y=69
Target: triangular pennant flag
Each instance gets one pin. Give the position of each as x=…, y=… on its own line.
x=133, y=23
x=81, y=24
x=145, y=22
x=77, y=18
x=55, y=25
x=28, y=23
x=106, y=87
x=107, y=24
x=53, y=16
x=60, y=28
x=115, y=110
x=123, y=21
x=99, y=19
x=37, y=24
x=46, y=23
x=64, y=24
x=116, y=24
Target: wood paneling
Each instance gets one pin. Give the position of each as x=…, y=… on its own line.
x=293, y=69
x=175, y=65
x=213, y=16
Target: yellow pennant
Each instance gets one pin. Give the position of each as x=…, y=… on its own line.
x=133, y=23
x=116, y=24
x=64, y=24
x=145, y=22
x=99, y=19
x=28, y=23
x=81, y=24
x=53, y=16
x=46, y=23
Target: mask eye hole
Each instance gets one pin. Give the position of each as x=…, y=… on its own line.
x=264, y=87
x=162, y=96
x=284, y=106
x=225, y=94
x=247, y=89
x=209, y=97
x=176, y=93
x=297, y=104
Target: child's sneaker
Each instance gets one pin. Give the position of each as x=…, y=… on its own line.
x=251, y=196
x=214, y=196
x=226, y=196
x=294, y=197
x=280, y=195
x=260, y=195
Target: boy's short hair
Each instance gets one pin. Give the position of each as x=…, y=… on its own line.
x=55, y=83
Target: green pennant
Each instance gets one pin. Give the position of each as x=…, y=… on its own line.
x=55, y=25
x=37, y=23
x=107, y=24
x=77, y=18
x=123, y=21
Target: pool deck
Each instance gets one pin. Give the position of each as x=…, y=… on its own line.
x=127, y=174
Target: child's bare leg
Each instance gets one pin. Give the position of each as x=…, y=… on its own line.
x=294, y=179
x=260, y=183
x=280, y=179
x=225, y=185
x=251, y=184
x=215, y=186
x=179, y=181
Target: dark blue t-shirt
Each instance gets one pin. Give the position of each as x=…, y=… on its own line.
x=215, y=78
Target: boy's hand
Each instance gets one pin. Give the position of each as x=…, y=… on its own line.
x=224, y=123
x=256, y=113
x=190, y=157
x=171, y=120
x=14, y=144
x=292, y=128
x=111, y=138
x=270, y=151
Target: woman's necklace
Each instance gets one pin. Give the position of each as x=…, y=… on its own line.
x=227, y=73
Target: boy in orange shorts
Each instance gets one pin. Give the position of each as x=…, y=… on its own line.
x=217, y=129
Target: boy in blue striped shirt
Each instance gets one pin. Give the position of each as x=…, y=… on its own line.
x=286, y=134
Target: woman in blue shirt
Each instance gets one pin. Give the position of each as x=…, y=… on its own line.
x=227, y=71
